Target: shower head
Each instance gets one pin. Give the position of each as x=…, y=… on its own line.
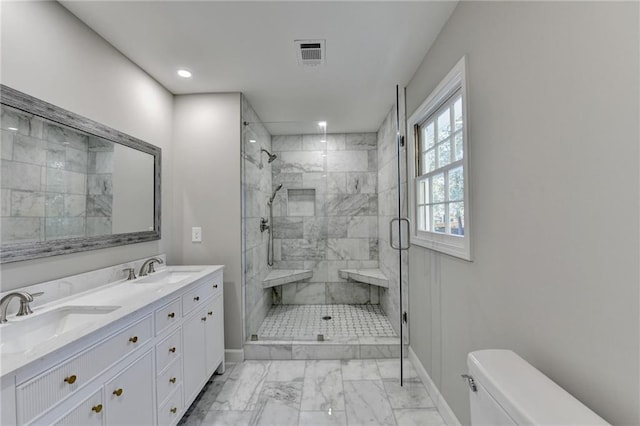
x=274, y=194
x=272, y=157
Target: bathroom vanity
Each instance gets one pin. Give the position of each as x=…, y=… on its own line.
x=133, y=352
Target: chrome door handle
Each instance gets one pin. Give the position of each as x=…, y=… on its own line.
x=391, y=222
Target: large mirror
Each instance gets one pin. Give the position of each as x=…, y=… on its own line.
x=69, y=184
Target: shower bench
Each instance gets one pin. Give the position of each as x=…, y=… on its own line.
x=285, y=276
x=367, y=276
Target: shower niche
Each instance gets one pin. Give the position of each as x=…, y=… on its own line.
x=301, y=202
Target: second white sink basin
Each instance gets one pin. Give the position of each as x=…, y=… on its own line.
x=20, y=335
x=166, y=277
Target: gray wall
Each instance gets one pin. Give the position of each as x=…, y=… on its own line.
x=49, y=54
x=207, y=193
x=553, y=140
x=256, y=190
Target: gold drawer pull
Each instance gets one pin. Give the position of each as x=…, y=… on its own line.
x=172, y=350
x=97, y=408
x=196, y=298
x=171, y=315
x=174, y=410
x=203, y=318
x=117, y=392
x=210, y=313
x=215, y=286
x=71, y=379
x=133, y=339
x=172, y=380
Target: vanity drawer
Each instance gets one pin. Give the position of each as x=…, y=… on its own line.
x=167, y=315
x=196, y=297
x=37, y=395
x=169, y=413
x=168, y=350
x=169, y=380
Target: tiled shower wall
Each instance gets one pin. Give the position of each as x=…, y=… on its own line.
x=256, y=190
x=326, y=215
x=387, y=210
x=56, y=182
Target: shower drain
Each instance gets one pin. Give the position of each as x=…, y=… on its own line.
x=326, y=317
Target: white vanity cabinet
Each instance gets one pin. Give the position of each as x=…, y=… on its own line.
x=202, y=331
x=144, y=369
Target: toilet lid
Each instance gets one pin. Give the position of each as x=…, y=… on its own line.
x=527, y=395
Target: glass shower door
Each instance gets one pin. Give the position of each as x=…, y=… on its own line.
x=399, y=226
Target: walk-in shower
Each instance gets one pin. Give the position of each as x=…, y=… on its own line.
x=319, y=273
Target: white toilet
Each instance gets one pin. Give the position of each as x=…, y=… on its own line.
x=507, y=390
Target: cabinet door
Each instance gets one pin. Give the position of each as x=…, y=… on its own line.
x=129, y=395
x=214, y=327
x=88, y=413
x=194, y=360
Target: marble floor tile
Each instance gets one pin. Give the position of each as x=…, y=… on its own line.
x=228, y=368
x=390, y=369
x=360, y=369
x=323, y=388
x=278, y=404
x=312, y=393
x=418, y=417
x=227, y=418
x=412, y=394
x=367, y=403
x=286, y=371
x=322, y=418
x=241, y=390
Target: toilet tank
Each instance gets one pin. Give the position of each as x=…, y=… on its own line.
x=510, y=391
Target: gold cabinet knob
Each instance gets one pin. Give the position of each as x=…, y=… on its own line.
x=71, y=379
x=172, y=380
x=203, y=318
x=133, y=339
x=172, y=350
x=171, y=315
x=174, y=410
x=97, y=408
x=196, y=298
x=215, y=286
x=117, y=392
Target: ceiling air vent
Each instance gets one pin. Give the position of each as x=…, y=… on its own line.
x=310, y=52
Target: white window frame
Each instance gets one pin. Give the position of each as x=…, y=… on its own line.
x=458, y=246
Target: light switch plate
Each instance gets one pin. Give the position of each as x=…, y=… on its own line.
x=196, y=234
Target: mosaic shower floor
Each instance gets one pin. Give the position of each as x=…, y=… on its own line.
x=307, y=321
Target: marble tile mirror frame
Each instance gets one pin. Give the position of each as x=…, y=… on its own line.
x=13, y=252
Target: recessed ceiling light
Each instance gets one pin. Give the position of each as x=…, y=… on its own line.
x=12, y=128
x=184, y=73
x=322, y=123
x=323, y=140
x=252, y=141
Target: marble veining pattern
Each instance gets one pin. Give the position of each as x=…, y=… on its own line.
x=312, y=393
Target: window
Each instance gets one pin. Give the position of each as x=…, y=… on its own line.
x=439, y=170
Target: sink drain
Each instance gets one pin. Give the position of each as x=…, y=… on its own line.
x=326, y=317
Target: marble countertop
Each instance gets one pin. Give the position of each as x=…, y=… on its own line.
x=129, y=296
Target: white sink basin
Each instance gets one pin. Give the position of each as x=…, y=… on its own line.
x=23, y=334
x=167, y=277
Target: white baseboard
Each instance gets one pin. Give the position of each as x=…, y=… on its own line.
x=443, y=408
x=233, y=355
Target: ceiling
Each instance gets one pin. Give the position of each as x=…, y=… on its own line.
x=248, y=47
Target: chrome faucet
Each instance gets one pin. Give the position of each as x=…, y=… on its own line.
x=147, y=266
x=25, y=299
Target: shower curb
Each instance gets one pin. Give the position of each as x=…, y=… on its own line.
x=341, y=348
